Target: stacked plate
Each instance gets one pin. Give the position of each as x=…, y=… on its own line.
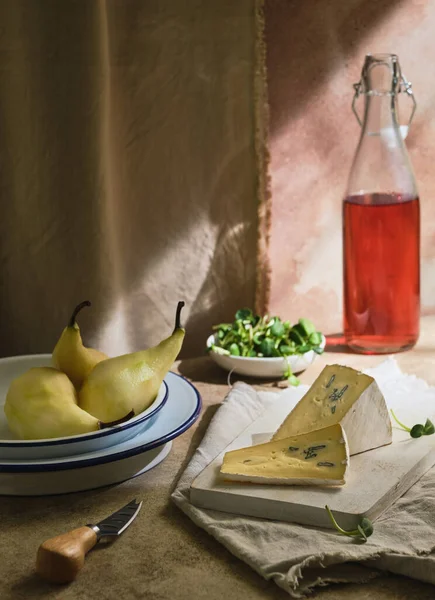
x=92, y=460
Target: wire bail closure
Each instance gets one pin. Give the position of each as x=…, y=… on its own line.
x=405, y=86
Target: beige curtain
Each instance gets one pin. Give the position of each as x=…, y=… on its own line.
x=131, y=168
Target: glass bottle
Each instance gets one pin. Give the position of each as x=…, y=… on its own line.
x=381, y=221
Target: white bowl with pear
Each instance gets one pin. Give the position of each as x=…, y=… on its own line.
x=265, y=347
x=77, y=399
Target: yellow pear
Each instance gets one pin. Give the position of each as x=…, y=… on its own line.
x=71, y=356
x=131, y=381
x=42, y=403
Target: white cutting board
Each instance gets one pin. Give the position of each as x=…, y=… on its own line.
x=376, y=479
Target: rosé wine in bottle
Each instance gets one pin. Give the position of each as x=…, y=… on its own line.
x=381, y=272
x=381, y=222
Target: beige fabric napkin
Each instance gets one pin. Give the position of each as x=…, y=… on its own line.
x=300, y=558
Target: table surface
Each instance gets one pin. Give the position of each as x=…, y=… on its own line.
x=164, y=556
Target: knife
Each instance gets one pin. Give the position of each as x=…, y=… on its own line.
x=59, y=559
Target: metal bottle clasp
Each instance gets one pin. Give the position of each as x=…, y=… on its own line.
x=405, y=86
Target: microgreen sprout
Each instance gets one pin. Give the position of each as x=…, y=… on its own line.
x=363, y=531
x=417, y=430
x=292, y=379
x=266, y=337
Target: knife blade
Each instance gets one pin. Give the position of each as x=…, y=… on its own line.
x=118, y=521
x=59, y=559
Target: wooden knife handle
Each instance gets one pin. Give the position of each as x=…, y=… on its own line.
x=59, y=559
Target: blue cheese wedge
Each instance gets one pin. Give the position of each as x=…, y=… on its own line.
x=317, y=458
x=342, y=395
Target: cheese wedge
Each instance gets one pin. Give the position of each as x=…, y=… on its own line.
x=342, y=395
x=317, y=458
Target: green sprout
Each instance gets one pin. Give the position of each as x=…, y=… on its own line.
x=363, y=531
x=292, y=379
x=266, y=337
x=417, y=430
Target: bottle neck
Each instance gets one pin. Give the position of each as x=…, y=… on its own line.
x=380, y=113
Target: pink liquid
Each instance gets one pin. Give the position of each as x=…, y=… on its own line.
x=381, y=235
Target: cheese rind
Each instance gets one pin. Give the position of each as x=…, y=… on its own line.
x=318, y=458
x=342, y=395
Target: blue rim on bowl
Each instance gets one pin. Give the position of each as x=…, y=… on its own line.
x=27, y=467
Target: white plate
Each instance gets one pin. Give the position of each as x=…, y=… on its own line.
x=82, y=479
x=110, y=465
x=13, y=448
x=263, y=367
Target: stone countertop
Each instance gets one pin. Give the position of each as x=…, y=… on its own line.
x=163, y=555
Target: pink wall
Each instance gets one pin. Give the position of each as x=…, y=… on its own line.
x=315, y=53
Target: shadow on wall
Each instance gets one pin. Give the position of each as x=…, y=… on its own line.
x=315, y=53
x=306, y=41
x=233, y=260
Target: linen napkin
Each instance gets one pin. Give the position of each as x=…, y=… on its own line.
x=297, y=557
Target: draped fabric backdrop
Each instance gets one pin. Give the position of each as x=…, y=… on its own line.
x=132, y=163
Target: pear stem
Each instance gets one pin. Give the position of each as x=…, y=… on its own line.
x=77, y=309
x=103, y=425
x=177, y=316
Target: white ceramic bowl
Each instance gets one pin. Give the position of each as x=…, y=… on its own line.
x=263, y=367
x=13, y=449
